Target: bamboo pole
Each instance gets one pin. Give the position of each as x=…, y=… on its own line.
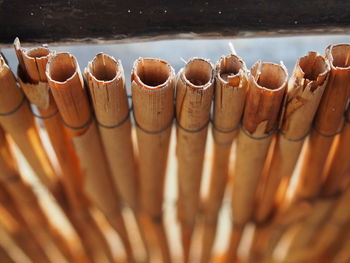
x=267, y=84
x=13, y=223
x=338, y=161
x=328, y=121
x=305, y=89
x=194, y=93
x=32, y=65
x=17, y=120
x=67, y=87
x=230, y=92
x=152, y=85
x=5, y=257
x=28, y=203
x=106, y=81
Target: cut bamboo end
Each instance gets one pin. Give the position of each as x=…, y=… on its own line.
x=105, y=77
x=153, y=93
x=267, y=85
x=230, y=92
x=194, y=91
x=106, y=81
x=67, y=87
x=330, y=112
x=305, y=89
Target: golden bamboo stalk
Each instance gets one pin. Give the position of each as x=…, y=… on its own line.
x=266, y=88
x=328, y=121
x=32, y=65
x=17, y=120
x=230, y=92
x=152, y=85
x=5, y=257
x=338, y=161
x=67, y=87
x=13, y=223
x=27, y=201
x=194, y=93
x=305, y=89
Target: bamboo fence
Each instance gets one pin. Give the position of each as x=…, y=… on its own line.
x=276, y=149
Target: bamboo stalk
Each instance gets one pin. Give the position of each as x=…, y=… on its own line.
x=12, y=222
x=67, y=87
x=328, y=121
x=194, y=93
x=267, y=84
x=28, y=203
x=338, y=161
x=152, y=85
x=305, y=89
x=106, y=81
x=18, y=121
x=34, y=83
x=5, y=257
x=230, y=92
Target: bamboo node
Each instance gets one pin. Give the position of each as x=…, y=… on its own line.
x=23, y=100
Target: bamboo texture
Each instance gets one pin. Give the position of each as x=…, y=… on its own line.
x=67, y=87
x=305, y=89
x=329, y=120
x=152, y=85
x=194, y=93
x=230, y=91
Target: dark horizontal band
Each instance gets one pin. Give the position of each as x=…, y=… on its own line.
x=16, y=108
x=153, y=132
x=221, y=130
x=329, y=135
x=119, y=123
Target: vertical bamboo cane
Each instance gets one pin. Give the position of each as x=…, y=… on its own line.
x=5, y=257
x=305, y=89
x=12, y=222
x=267, y=84
x=328, y=121
x=67, y=87
x=152, y=84
x=34, y=83
x=17, y=120
x=338, y=164
x=230, y=92
x=194, y=93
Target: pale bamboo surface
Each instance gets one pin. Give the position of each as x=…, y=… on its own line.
x=267, y=85
x=338, y=164
x=328, y=121
x=230, y=92
x=32, y=65
x=18, y=121
x=305, y=89
x=106, y=81
x=194, y=94
x=152, y=85
x=67, y=87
